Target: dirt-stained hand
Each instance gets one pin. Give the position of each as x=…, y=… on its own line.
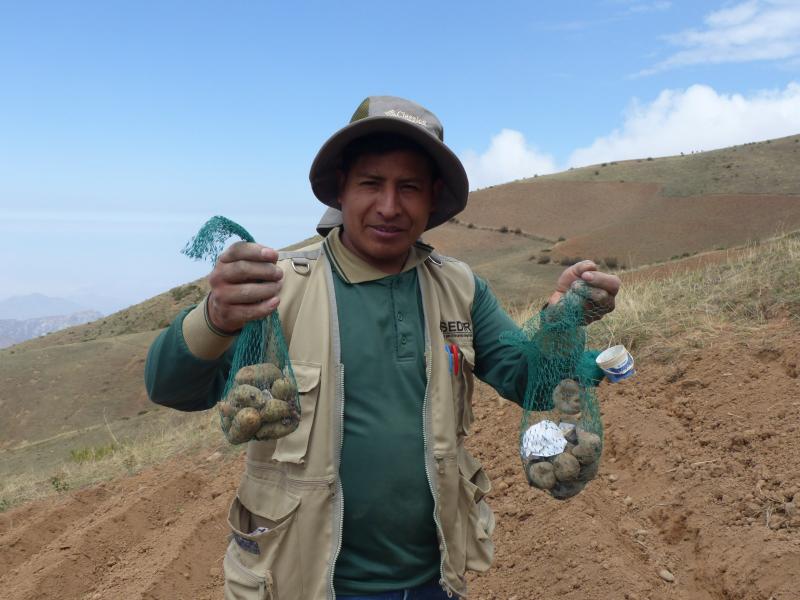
x=244, y=286
x=600, y=289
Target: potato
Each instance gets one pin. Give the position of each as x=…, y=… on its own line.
x=278, y=429
x=592, y=440
x=588, y=472
x=242, y=396
x=226, y=409
x=571, y=435
x=585, y=453
x=275, y=410
x=566, y=467
x=563, y=490
x=567, y=397
x=540, y=475
x=260, y=376
x=284, y=389
x=244, y=425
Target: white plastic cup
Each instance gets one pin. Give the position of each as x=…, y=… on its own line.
x=616, y=362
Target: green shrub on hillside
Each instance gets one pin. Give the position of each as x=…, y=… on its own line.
x=96, y=453
x=59, y=483
x=182, y=291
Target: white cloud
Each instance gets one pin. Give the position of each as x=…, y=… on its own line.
x=629, y=9
x=697, y=118
x=508, y=157
x=749, y=31
x=638, y=6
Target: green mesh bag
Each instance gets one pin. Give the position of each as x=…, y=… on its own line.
x=561, y=433
x=260, y=399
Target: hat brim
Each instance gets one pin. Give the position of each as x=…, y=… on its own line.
x=450, y=201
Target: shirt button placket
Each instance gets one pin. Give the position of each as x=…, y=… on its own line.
x=400, y=293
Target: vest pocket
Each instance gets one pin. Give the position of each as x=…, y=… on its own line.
x=293, y=447
x=243, y=584
x=463, y=384
x=263, y=557
x=479, y=519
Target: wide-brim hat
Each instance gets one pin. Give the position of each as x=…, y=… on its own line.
x=388, y=114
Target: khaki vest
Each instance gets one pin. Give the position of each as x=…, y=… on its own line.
x=291, y=488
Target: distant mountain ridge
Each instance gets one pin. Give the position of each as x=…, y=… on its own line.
x=14, y=331
x=33, y=306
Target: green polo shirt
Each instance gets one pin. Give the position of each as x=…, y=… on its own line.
x=389, y=537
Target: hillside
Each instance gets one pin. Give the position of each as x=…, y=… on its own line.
x=696, y=498
x=634, y=212
x=768, y=167
x=15, y=331
x=154, y=313
x=91, y=375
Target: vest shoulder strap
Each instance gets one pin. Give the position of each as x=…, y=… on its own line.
x=308, y=254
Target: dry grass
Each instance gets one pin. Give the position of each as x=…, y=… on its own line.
x=657, y=317
x=768, y=167
x=750, y=287
x=94, y=464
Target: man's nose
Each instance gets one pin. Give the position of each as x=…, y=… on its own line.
x=388, y=204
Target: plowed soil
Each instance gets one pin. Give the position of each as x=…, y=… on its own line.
x=696, y=500
x=632, y=222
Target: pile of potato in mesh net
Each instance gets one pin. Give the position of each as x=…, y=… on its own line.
x=262, y=404
x=260, y=400
x=561, y=433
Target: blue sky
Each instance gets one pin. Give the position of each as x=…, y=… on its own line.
x=125, y=125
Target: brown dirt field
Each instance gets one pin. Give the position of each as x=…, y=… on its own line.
x=630, y=221
x=673, y=226
x=466, y=244
x=699, y=475
x=553, y=209
x=502, y=259
x=683, y=265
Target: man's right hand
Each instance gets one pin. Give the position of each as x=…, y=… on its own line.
x=244, y=286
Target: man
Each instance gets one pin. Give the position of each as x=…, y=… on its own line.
x=374, y=495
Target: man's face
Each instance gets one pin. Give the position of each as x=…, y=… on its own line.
x=386, y=200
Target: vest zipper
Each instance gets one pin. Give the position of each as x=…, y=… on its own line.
x=339, y=501
x=428, y=452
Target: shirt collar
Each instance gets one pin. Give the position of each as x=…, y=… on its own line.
x=353, y=269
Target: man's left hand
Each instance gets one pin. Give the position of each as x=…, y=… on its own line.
x=602, y=288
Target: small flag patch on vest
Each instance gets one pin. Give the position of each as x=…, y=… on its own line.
x=453, y=357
